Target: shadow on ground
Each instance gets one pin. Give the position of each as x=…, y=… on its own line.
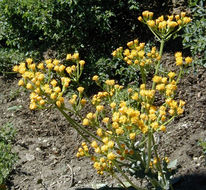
x=195, y=181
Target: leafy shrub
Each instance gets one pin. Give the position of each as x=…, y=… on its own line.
x=91, y=27
x=7, y=157
x=117, y=69
x=11, y=56
x=194, y=33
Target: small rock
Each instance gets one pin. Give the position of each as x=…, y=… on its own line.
x=38, y=149
x=195, y=158
x=30, y=157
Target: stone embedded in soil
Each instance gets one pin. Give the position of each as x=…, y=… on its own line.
x=29, y=157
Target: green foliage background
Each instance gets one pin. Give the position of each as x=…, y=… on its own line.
x=194, y=36
x=92, y=27
x=7, y=157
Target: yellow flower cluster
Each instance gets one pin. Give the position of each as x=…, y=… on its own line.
x=163, y=84
x=179, y=59
x=110, y=89
x=82, y=151
x=39, y=79
x=163, y=26
x=103, y=154
x=136, y=54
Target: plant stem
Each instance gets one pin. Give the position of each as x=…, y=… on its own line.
x=158, y=160
x=149, y=151
x=158, y=64
x=179, y=75
x=125, y=176
x=169, y=120
x=119, y=181
x=77, y=126
x=143, y=75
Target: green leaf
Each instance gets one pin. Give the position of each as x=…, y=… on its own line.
x=14, y=108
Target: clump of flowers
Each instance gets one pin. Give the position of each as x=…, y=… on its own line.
x=126, y=121
x=48, y=81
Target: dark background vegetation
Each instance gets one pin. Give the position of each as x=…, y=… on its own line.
x=53, y=28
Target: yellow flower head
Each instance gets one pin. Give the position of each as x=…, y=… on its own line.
x=29, y=86
x=61, y=68
x=145, y=14
x=21, y=83
x=188, y=60
x=110, y=82
x=178, y=54
x=111, y=156
x=105, y=140
x=99, y=108
x=56, y=62
x=16, y=68
x=75, y=56
x=57, y=89
x=82, y=63
x=80, y=89
x=163, y=128
x=85, y=122
x=40, y=66
x=119, y=131
x=179, y=61
x=157, y=79
x=105, y=120
x=29, y=61
x=99, y=132
x=95, y=78
x=171, y=75
x=135, y=96
x=83, y=101
x=53, y=82
x=110, y=144
x=151, y=23
x=132, y=136
x=69, y=57
x=58, y=103
x=33, y=106
x=94, y=144
x=140, y=18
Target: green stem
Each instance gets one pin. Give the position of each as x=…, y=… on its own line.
x=158, y=64
x=125, y=176
x=149, y=151
x=77, y=126
x=113, y=175
x=171, y=187
x=168, y=121
x=143, y=75
x=158, y=161
x=179, y=75
x=154, y=33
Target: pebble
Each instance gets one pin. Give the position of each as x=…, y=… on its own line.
x=30, y=157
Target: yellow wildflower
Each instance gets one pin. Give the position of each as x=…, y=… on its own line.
x=94, y=144
x=171, y=75
x=80, y=89
x=132, y=136
x=82, y=63
x=111, y=156
x=188, y=60
x=85, y=122
x=21, y=83
x=99, y=132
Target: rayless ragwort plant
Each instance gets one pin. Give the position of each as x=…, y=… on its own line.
x=125, y=124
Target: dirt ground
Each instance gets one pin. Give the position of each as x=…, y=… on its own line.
x=47, y=146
